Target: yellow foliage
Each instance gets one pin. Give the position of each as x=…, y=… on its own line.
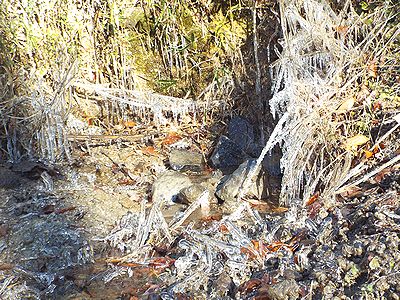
x=352, y=143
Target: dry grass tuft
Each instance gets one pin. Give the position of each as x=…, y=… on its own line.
x=333, y=69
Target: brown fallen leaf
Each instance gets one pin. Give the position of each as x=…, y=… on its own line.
x=126, y=182
x=251, y=253
x=48, y=209
x=372, y=69
x=214, y=217
x=149, y=151
x=375, y=150
x=4, y=267
x=377, y=105
x=352, y=192
x=130, y=265
x=223, y=229
x=368, y=154
x=342, y=29
x=129, y=124
x=162, y=262
x=381, y=175
x=313, y=209
x=113, y=260
x=262, y=206
x=64, y=210
x=171, y=138
x=312, y=199
x=250, y=286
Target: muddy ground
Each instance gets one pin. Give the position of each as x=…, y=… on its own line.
x=56, y=220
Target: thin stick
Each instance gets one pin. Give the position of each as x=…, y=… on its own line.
x=270, y=144
x=192, y=207
x=370, y=174
x=120, y=168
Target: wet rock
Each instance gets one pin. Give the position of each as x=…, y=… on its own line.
x=168, y=185
x=229, y=187
x=227, y=155
x=241, y=132
x=184, y=160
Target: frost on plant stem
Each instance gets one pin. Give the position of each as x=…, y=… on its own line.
x=306, y=81
x=141, y=103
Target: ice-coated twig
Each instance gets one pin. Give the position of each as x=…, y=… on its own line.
x=236, y=233
x=227, y=248
x=5, y=284
x=142, y=222
x=144, y=234
x=164, y=226
x=370, y=174
x=142, y=99
x=272, y=141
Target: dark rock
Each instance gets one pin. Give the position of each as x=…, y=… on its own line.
x=33, y=170
x=241, y=132
x=271, y=164
x=168, y=185
x=230, y=185
x=9, y=179
x=223, y=286
x=184, y=160
x=227, y=156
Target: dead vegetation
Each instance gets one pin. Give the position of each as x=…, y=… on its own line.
x=145, y=75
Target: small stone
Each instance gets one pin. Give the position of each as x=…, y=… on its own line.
x=184, y=160
x=190, y=194
x=286, y=289
x=227, y=156
x=168, y=185
x=230, y=185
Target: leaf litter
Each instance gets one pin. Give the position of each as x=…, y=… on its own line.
x=343, y=242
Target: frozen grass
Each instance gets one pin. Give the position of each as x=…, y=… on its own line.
x=171, y=48
x=328, y=62
x=334, y=66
